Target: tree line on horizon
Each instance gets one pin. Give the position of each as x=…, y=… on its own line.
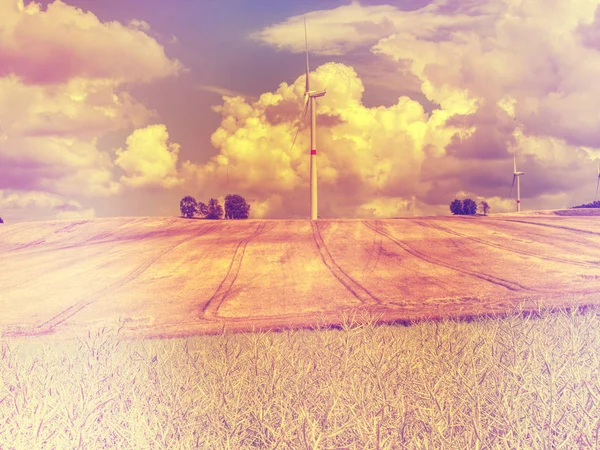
x=594, y=204
x=236, y=208
x=468, y=207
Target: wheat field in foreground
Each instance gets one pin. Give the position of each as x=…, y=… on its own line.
x=515, y=382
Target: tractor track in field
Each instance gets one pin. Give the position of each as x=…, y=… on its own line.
x=372, y=262
x=458, y=244
x=501, y=226
x=49, y=325
x=353, y=286
x=66, y=229
x=211, y=307
x=510, y=285
x=523, y=252
x=558, y=227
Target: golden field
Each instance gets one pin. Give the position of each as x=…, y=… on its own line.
x=176, y=277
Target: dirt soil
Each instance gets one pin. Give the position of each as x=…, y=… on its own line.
x=167, y=277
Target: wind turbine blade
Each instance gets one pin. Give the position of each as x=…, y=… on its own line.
x=305, y=109
x=515, y=164
x=597, y=185
x=306, y=47
x=294, y=141
x=302, y=115
x=512, y=187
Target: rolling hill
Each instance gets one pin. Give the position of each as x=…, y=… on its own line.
x=176, y=277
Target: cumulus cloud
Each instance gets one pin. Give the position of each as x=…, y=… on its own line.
x=65, y=80
x=362, y=152
x=504, y=78
x=149, y=159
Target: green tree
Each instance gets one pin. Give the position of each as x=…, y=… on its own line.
x=1, y=221
x=188, y=206
x=456, y=207
x=469, y=207
x=483, y=205
x=236, y=207
x=215, y=211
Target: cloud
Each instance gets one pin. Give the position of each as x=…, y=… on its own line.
x=61, y=165
x=388, y=207
x=224, y=92
x=341, y=30
x=504, y=78
x=362, y=152
x=532, y=55
x=139, y=25
x=64, y=42
x=17, y=205
x=149, y=159
x=347, y=27
x=65, y=83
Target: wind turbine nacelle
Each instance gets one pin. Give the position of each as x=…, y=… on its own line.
x=518, y=173
x=315, y=94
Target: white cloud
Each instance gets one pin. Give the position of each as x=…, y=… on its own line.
x=65, y=80
x=507, y=77
x=17, y=205
x=362, y=152
x=149, y=159
x=63, y=42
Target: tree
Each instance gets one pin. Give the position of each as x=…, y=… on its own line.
x=594, y=204
x=469, y=207
x=1, y=221
x=483, y=205
x=215, y=211
x=456, y=207
x=188, y=206
x=236, y=207
x=202, y=209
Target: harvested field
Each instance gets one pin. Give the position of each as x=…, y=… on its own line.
x=177, y=277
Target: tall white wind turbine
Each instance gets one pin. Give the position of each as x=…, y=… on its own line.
x=517, y=176
x=311, y=97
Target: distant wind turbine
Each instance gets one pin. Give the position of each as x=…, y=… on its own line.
x=516, y=176
x=310, y=97
x=597, y=183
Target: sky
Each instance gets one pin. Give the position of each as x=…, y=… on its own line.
x=120, y=108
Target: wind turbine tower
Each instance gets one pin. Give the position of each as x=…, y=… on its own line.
x=597, y=183
x=310, y=99
x=517, y=176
